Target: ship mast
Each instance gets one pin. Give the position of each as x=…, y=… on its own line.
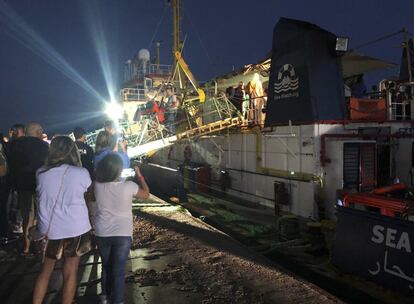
x=176, y=12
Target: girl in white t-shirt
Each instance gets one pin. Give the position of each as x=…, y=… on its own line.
x=113, y=223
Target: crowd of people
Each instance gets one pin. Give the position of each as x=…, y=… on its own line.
x=163, y=105
x=47, y=188
x=250, y=100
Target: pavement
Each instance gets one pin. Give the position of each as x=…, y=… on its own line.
x=176, y=258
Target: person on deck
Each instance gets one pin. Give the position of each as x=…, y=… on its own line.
x=172, y=107
x=246, y=109
x=358, y=87
x=158, y=111
x=113, y=223
x=239, y=97
x=155, y=106
x=257, y=99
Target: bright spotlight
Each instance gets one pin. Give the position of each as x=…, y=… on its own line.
x=114, y=110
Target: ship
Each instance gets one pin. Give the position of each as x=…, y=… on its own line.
x=325, y=147
x=315, y=143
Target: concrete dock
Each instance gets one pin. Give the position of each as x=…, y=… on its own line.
x=176, y=258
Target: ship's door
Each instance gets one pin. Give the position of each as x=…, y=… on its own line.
x=360, y=166
x=384, y=163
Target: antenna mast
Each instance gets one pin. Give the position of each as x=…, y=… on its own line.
x=176, y=12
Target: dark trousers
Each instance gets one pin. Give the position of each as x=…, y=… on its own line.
x=114, y=254
x=4, y=219
x=170, y=121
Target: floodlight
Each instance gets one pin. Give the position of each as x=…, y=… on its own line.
x=342, y=44
x=114, y=110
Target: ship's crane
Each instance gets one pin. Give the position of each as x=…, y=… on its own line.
x=182, y=67
x=200, y=114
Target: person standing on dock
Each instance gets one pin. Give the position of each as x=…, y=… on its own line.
x=110, y=127
x=29, y=153
x=107, y=143
x=15, y=132
x=85, y=151
x=4, y=193
x=113, y=223
x=63, y=216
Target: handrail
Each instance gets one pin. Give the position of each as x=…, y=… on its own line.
x=388, y=206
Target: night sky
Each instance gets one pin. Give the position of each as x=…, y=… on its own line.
x=58, y=57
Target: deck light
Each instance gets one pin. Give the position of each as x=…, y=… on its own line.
x=114, y=110
x=342, y=44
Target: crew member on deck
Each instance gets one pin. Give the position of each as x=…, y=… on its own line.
x=154, y=105
x=257, y=99
x=171, y=109
x=239, y=96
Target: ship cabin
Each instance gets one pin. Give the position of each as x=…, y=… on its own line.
x=141, y=73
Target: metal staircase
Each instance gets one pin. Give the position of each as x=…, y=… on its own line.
x=148, y=134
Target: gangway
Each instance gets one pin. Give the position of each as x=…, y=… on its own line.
x=149, y=135
x=198, y=114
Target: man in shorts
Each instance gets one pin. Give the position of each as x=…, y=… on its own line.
x=29, y=154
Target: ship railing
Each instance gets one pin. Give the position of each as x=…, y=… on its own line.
x=133, y=94
x=401, y=102
x=146, y=130
x=392, y=103
x=401, y=110
x=91, y=137
x=134, y=70
x=160, y=69
x=197, y=119
x=194, y=119
x=153, y=69
x=399, y=97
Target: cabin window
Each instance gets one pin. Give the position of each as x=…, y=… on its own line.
x=359, y=166
x=148, y=82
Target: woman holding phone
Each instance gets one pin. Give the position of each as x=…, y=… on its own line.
x=113, y=222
